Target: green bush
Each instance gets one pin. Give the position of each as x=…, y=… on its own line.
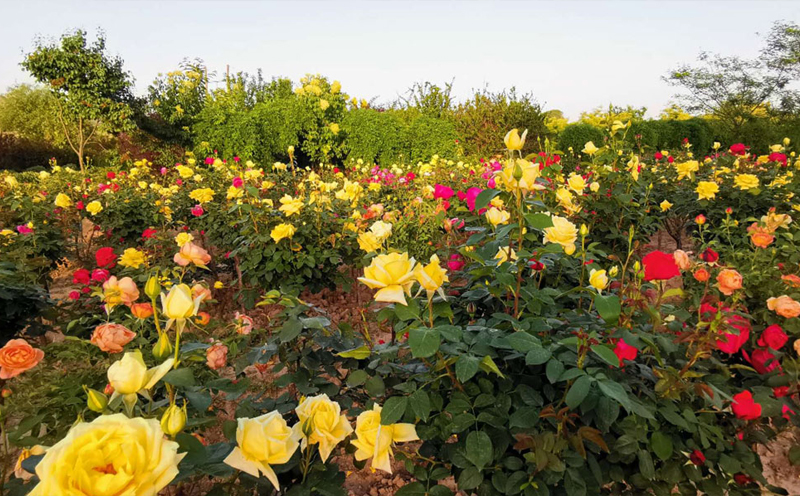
x=374, y=136
x=575, y=136
x=428, y=136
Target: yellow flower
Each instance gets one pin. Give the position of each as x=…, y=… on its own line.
x=282, y=231
x=7, y=232
x=382, y=230
x=431, y=277
x=178, y=304
x=260, y=443
x=219, y=285
x=183, y=238
x=112, y=455
x=336, y=87
x=185, y=172
x=707, y=190
x=392, y=275
x=132, y=258
x=505, y=254
x=598, y=279
x=290, y=206
x=590, y=149
x=320, y=421
x=324, y=104
x=375, y=441
x=369, y=242
x=562, y=232
x=665, y=205
x=514, y=141
x=576, y=183
x=94, y=207
x=130, y=375
x=745, y=181
x=496, y=216
x=234, y=192
x=174, y=420
x=63, y=201
x=520, y=175
x=202, y=195
x=334, y=128
x=595, y=186
x=687, y=169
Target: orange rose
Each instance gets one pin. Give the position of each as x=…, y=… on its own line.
x=111, y=338
x=142, y=310
x=682, y=259
x=791, y=280
x=761, y=237
x=783, y=305
x=17, y=356
x=701, y=275
x=198, y=290
x=729, y=281
x=217, y=356
x=191, y=253
x=122, y=291
x=203, y=318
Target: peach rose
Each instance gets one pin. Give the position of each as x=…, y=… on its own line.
x=783, y=305
x=122, y=291
x=729, y=281
x=682, y=259
x=142, y=310
x=701, y=275
x=202, y=318
x=198, y=290
x=760, y=236
x=191, y=253
x=217, y=356
x=791, y=280
x=244, y=323
x=111, y=338
x=17, y=356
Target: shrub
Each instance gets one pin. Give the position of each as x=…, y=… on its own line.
x=575, y=136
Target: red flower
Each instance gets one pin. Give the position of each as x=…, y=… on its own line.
x=659, y=266
x=786, y=411
x=777, y=157
x=536, y=265
x=709, y=256
x=773, y=337
x=442, y=191
x=111, y=175
x=658, y=156
x=79, y=205
x=237, y=182
x=742, y=479
x=762, y=360
x=80, y=276
x=744, y=407
x=74, y=295
x=105, y=257
x=197, y=210
x=780, y=391
x=149, y=233
x=734, y=342
x=100, y=275
x=624, y=351
x=738, y=149
x=697, y=457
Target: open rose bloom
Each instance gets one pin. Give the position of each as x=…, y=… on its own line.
x=17, y=356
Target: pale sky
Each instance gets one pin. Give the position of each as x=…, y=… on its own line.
x=571, y=55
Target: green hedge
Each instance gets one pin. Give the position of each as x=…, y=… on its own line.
x=575, y=136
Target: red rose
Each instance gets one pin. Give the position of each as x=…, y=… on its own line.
x=742, y=479
x=79, y=205
x=149, y=233
x=74, y=295
x=624, y=351
x=697, y=457
x=658, y=156
x=105, y=257
x=762, y=360
x=111, y=175
x=100, y=275
x=80, y=276
x=778, y=157
x=773, y=337
x=744, y=407
x=738, y=149
x=709, y=256
x=780, y=391
x=659, y=266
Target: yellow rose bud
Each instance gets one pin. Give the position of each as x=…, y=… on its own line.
x=163, y=347
x=174, y=420
x=598, y=279
x=152, y=288
x=514, y=141
x=178, y=303
x=95, y=400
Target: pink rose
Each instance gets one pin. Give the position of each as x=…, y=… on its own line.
x=217, y=356
x=111, y=338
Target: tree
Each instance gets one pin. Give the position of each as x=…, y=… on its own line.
x=91, y=87
x=30, y=112
x=737, y=90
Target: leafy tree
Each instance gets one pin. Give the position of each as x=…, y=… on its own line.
x=737, y=90
x=91, y=88
x=30, y=112
x=428, y=98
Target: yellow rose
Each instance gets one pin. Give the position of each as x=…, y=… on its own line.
x=334, y=128
x=590, y=149
x=282, y=231
x=203, y=195
x=665, y=205
x=745, y=181
x=598, y=279
x=178, y=304
x=392, y=275
x=520, y=175
x=174, y=420
x=262, y=442
x=576, y=183
x=707, y=190
x=432, y=276
x=376, y=441
x=321, y=422
x=324, y=104
x=129, y=375
x=185, y=172
x=234, y=193
x=94, y=207
x=687, y=169
x=514, y=141
x=112, y=455
x=368, y=242
x=381, y=230
x=183, y=238
x=63, y=201
x=562, y=232
x=595, y=186
x=290, y=206
x=132, y=258
x=505, y=254
x=496, y=216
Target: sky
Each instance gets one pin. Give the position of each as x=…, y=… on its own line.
x=570, y=55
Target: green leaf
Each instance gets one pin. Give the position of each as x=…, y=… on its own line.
x=523, y=342
x=537, y=356
x=488, y=365
x=539, y=221
x=470, y=478
x=574, y=483
x=420, y=404
x=615, y=391
x=412, y=489
x=182, y=377
x=608, y=306
x=484, y=198
x=661, y=444
x=578, y=391
x=393, y=409
x=424, y=342
x=466, y=367
x=290, y=330
x=359, y=353
x=479, y=449
x=375, y=386
x=606, y=354
x=554, y=370
x=646, y=467
x=357, y=378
